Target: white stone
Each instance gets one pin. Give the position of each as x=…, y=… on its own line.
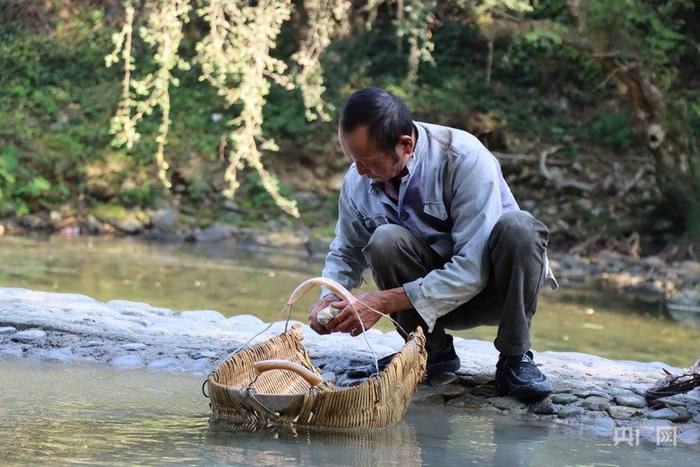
x=127, y=362
x=29, y=335
x=7, y=330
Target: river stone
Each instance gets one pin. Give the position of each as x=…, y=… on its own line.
x=63, y=354
x=451, y=391
x=206, y=354
x=133, y=346
x=585, y=393
x=691, y=436
x=631, y=401
x=595, y=403
x=443, y=378
x=428, y=395
x=466, y=401
x=29, y=335
x=619, y=412
x=678, y=414
x=544, y=407
x=563, y=398
x=162, y=363
x=7, y=330
x=570, y=411
x=430, y=399
x=127, y=362
x=507, y=403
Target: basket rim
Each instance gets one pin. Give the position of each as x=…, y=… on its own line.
x=296, y=333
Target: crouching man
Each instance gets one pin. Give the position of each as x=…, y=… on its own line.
x=427, y=210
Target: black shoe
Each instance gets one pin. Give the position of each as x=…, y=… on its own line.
x=519, y=377
x=446, y=360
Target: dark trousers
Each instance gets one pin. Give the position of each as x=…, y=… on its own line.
x=516, y=251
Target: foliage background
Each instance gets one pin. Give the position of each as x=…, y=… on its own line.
x=58, y=97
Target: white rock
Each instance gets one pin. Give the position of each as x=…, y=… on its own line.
x=7, y=330
x=134, y=346
x=127, y=362
x=63, y=354
x=202, y=315
x=163, y=363
x=326, y=314
x=29, y=335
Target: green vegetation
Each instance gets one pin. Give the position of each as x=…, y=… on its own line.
x=540, y=89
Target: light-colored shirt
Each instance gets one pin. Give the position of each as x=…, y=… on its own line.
x=450, y=198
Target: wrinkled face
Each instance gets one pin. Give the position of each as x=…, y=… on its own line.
x=371, y=162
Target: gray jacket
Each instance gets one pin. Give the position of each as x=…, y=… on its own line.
x=453, y=195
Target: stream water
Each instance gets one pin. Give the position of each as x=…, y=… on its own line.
x=93, y=414
x=233, y=280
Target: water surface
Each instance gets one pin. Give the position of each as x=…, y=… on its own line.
x=92, y=414
x=235, y=280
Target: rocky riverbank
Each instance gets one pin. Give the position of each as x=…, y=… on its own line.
x=672, y=287
x=590, y=390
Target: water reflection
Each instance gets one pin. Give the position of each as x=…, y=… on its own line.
x=93, y=414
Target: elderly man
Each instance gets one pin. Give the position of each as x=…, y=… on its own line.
x=426, y=208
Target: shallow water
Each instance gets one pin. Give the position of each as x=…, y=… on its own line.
x=235, y=280
x=93, y=414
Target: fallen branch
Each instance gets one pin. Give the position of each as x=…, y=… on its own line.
x=555, y=177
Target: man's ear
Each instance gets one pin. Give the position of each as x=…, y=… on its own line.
x=407, y=142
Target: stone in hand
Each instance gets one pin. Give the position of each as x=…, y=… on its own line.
x=326, y=314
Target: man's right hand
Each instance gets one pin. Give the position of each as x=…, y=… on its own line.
x=318, y=306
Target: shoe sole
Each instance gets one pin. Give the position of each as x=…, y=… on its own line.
x=444, y=367
x=528, y=394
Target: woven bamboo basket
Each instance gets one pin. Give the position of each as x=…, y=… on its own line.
x=275, y=383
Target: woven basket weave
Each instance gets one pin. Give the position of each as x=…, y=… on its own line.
x=240, y=394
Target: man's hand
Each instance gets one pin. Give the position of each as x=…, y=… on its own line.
x=318, y=306
x=373, y=306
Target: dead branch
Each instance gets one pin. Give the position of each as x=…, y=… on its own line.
x=555, y=176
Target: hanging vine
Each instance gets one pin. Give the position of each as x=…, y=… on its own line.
x=140, y=97
x=327, y=19
x=235, y=57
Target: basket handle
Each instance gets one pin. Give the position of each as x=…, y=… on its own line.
x=266, y=365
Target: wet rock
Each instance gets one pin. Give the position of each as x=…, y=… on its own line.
x=563, y=398
x=130, y=222
x=92, y=225
x=165, y=220
x=162, y=363
x=691, y=436
x=127, y=362
x=544, y=407
x=29, y=335
x=676, y=414
x=595, y=403
x=428, y=395
x=7, y=330
x=63, y=354
x=198, y=365
x=133, y=346
x=619, y=412
x=569, y=411
x=597, y=392
x=215, y=233
x=466, y=401
x=451, y=391
x=443, y=378
x=507, y=403
x=631, y=401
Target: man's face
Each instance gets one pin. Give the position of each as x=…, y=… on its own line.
x=369, y=160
